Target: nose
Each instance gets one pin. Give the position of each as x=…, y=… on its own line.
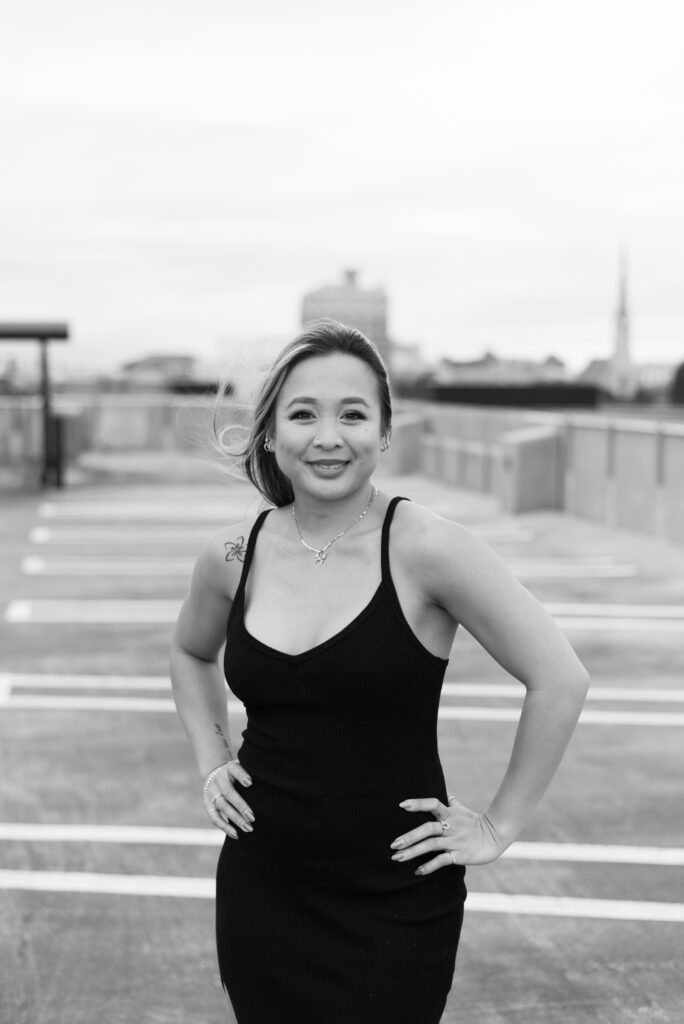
x=328, y=435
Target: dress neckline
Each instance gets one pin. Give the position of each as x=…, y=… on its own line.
x=317, y=648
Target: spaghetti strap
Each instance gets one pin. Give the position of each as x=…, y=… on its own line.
x=249, y=554
x=384, y=543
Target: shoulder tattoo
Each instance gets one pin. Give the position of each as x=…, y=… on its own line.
x=235, y=549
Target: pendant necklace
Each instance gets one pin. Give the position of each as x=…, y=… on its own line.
x=322, y=553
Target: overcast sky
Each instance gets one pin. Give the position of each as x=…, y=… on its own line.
x=174, y=175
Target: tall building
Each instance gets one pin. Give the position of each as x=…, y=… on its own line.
x=363, y=308
x=622, y=378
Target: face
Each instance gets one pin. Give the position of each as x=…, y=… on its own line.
x=327, y=426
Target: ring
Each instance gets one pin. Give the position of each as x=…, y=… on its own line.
x=445, y=825
x=451, y=854
x=215, y=798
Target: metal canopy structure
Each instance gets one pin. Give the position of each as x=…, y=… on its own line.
x=43, y=334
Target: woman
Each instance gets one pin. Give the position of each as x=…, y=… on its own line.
x=340, y=885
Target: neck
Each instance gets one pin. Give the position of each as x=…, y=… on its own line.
x=315, y=515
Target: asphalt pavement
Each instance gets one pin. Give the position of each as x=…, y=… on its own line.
x=106, y=863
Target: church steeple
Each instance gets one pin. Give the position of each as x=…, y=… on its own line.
x=622, y=372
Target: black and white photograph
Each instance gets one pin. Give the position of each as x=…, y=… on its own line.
x=341, y=512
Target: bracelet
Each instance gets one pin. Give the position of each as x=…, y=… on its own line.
x=211, y=776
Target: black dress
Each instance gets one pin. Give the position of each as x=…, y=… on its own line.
x=315, y=923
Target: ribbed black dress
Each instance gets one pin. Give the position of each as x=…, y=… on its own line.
x=315, y=923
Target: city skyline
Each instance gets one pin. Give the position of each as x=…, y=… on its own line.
x=176, y=178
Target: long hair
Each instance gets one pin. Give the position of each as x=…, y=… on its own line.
x=322, y=337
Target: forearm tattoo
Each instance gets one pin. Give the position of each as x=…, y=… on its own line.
x=219, y=732
x=235, y=549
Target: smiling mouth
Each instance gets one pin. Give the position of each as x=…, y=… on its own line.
x=328, y=463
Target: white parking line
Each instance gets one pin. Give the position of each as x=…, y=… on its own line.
x=555, y=570
x=188, y=535
x=189, y=510
x=447, y=712
x=93, y=612
x=639, y=611
x=34, y=565
x=46, y=535
x=509, y=691
x=512, y=691
x=641, y=618
x=32, y=681
x=587, y=717
x=586, y=853
x=204, y=888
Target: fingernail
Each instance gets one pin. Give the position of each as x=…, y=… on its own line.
x=419, y=871
x=247, y=781
x=246, y=827
x=232, y=833
x=405, y=803
x=398, y=856
x=249, y=816
x=397, y=843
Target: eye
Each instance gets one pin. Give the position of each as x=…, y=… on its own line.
x=354, y=414
x=299, y=414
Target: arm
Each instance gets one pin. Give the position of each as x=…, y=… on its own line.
x=461, y=574
x=198, y=686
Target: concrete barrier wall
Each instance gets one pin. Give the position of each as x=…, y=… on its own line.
x=625, y=472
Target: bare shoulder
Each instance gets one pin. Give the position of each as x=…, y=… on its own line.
x=219, y=564
x=440, y=553
x=458, y=571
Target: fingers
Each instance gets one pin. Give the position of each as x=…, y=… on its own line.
x=428, y=803
x=426, y=838
x=218, y=821
x=444, y=860
x=419, y=849
x=225, y=805
x=425, y=831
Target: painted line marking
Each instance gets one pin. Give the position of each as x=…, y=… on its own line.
x=136, y=834
x=567, y=906
x=508, y=691
x=587, y=717
x=641, y=611
x=555, y=571
x=448, y=712
x=188, y=535
x=588, y=853
x=651, y=618
x=191, y=510
x=205, y=888
x=83, y=682
x=45, y=535
x=631, y=625
x=597, y=853
x=35, y=565
x=89, y=612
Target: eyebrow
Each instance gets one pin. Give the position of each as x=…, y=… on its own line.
x=352, y=400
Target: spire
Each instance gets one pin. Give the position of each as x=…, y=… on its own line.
x=622, y=372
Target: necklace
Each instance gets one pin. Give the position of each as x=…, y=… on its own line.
x=322, y=553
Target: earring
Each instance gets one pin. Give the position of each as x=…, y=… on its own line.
x=385, y=445
x=268, y=445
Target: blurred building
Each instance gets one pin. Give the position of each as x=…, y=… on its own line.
x=158, y=371
x=490, y=369
x=409, y=364
x=363, y=308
